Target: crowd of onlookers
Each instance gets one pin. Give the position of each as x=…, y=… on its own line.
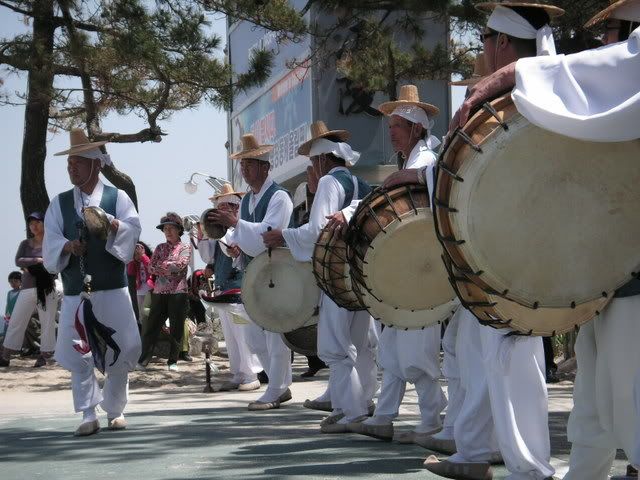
x=165, y=297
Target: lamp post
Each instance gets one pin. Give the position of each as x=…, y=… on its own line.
x=191, y=186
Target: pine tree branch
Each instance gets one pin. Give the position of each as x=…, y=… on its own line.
x=144, y=135
x=20, y=62
x=16, y=9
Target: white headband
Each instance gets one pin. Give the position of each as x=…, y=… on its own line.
x=506, y=20
x=96, y=154
x=629, y=12
x=235, y=199
x=339, y=149
x=418, y=115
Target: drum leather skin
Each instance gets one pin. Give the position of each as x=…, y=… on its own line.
x=214, y=231
x=394, y=255
x=279, y=293
x=540, y=219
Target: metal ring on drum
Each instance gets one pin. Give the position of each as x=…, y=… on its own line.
x=542, y=219
x=293, y=300
x=394, y=251
x=498, y=312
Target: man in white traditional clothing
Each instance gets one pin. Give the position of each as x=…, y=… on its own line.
x=267, y=205
x=514, y=30
x=243, y=363
x=99, y=330
x=406, y=356
x=346, y=339
x=592, y=95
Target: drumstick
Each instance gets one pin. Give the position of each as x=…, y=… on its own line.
x=271, y=284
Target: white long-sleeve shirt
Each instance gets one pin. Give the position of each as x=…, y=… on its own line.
x=592, y=95
x=121, y=245
x=248, y=235
x=419, y=157
x=328, y=199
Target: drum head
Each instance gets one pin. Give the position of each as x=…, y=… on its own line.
x=403, y=267
x=547, y=220
x=303, y=340
x=279, y=293
x=214, y=231
x=407, y=319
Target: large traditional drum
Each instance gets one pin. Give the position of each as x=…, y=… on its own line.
x=543, y=220
x=331, y=269
x=498, y=312
x=279, y=293
x=395, y=259
x=303, y=340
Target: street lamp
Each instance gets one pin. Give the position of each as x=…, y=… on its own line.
x=191, y=187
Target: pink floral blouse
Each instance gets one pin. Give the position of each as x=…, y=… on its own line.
x=170, y=264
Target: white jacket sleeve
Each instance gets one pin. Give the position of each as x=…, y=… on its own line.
x=328, y=199
x=53, y=258
x=122, y=244
x=592, y=95
x=248, y=235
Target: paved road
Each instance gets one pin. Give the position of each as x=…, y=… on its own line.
x=184, y=433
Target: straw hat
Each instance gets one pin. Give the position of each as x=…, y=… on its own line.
x=480, y=71
x=552, y=10
x=408, y=96
x=227, y=189
x=320, y=130
x=609, y=12
x=251, y=149
x=79, y=143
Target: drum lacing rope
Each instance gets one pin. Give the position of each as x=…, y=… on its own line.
x=440, y=204
x=446, y=170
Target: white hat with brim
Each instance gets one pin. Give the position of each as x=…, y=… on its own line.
x=551, y=10
x=251, y=149
x=612, y=11
x=79, y=143
x=408, y=96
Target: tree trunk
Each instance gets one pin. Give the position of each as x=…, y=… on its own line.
x=122, y=181
x=33, y=191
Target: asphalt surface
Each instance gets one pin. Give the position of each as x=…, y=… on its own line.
x=183, y=433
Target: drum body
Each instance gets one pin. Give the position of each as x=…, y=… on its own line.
x=498, y=312
x=534, y=217
x=303, y=340
x=279, y=293
x=332, y=271
x=395, y=259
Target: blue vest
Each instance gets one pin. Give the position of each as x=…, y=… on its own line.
x=345, y=179
x=227, y=277
x=107, y=272
x=629, y=289
x=259, y=212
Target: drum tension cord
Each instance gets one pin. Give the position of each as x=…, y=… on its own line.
x=271, y=284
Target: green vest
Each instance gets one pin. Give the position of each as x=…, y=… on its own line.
x=346, y=180
x=107, y=272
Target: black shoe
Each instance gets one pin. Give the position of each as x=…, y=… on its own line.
x=4, y=362
x=186, y=357
x=552, y=377
x=310, y=372
x=262, y=377
x=40, y=362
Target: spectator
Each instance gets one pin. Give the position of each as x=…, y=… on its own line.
x=138, y=268
x=15, y=281
x=38, y=292
x=170, y=263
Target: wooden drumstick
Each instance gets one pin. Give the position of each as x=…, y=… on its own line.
x=271, y=284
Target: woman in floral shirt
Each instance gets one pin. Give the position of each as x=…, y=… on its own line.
x=169, y=262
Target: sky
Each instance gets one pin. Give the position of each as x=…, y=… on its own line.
x=195, y=143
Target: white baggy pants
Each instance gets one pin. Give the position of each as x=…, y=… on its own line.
x=26, y=304
x=243, y=363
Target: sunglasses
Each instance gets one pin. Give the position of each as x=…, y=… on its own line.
x=484, y=36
